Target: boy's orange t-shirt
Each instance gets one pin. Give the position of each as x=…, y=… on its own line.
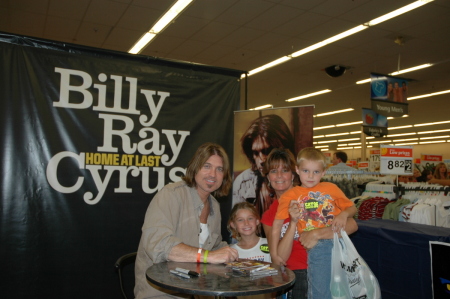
x=318, y=205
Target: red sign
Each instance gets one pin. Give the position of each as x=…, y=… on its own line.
x=397, y=152
x=437, y=158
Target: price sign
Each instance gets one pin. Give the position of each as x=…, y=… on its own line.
x=396, y=160
x=374, y=160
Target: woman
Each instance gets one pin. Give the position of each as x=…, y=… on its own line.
x=441, y=172
x=280, y=175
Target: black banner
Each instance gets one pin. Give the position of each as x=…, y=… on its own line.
x=88, y=137
x=375, y=131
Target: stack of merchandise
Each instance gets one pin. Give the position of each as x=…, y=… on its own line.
x=251, y=268
x=372, y=208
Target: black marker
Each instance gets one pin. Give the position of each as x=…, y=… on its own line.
x=192, y=273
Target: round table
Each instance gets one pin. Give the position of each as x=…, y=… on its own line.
x=217, y=280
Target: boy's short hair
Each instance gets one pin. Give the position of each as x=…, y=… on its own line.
x=311, y=154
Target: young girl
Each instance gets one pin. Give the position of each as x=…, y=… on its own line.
x=244, y=225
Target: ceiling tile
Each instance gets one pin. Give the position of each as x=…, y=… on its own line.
x=105, y=12
x=68, y=9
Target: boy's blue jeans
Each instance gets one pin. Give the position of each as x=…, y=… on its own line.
x=319, y=270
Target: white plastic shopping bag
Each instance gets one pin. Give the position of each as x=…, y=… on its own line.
x=351, y=277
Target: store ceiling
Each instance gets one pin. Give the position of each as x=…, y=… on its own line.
x=246, y=34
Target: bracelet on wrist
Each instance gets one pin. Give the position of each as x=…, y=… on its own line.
x=199, y=254
x=205, y=257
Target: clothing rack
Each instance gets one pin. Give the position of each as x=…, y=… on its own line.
x=435, y=189
x=413, y=187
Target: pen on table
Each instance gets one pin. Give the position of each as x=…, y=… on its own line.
x=192, y=273
x=179, y=274
x=259, y=268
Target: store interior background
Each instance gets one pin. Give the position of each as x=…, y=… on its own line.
x=246, y=34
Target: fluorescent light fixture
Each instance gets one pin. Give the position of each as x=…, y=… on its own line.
x=363, y=81
x=324, y=149
x=162, y=23
x=170, y=15
x=321, y=146
x=349, y=139
x=370, y=137
x=330, y=40
x=343, y=148
x=269, y=65
x=349, y=124
x=342, y=35
x=142, y=42
x=337, y=134
x=262, y=107
x=383, y=141
x=327, y=141
x=403, y=134
x=324, y=127
x=409, y=143
x=356, y=143
x=429, y=95
x=435, y=137
x=411, y=69
x=399, y=127
x=319, y=136
x=435, y=131
x=398, y=12
x=355, y=132
x=334, y=112
x=433, y=123
x=403, y=140
x=436, y=141
x=391, y=117
x=309, y=95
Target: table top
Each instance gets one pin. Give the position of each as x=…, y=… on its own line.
x=217, y=280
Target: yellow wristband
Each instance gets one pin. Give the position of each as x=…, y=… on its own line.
x=199, y=254
x=205, y=257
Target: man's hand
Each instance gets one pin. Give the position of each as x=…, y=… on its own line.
x=223, y=255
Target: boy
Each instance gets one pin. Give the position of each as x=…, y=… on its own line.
x=320, y=205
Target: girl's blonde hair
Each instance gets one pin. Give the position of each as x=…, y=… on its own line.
x=239, y=206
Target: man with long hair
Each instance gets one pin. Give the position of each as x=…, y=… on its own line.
x=183, y=221
x=264, y=133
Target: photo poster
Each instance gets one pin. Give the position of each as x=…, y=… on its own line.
x=440, y=269
x=430, y=161
x=374, y=124
x=389, y=95
x=290, y=127
x=88, y=138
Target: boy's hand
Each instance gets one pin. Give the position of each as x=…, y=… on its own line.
x=294, y=211
x=339, y=222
